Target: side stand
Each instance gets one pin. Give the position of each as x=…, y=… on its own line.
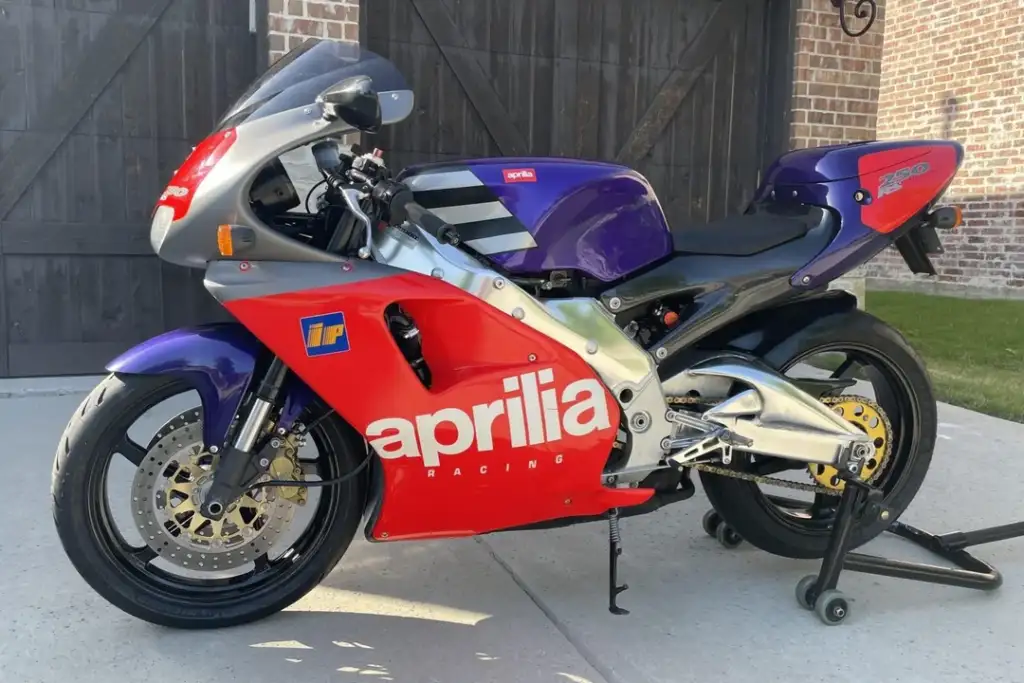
x=614, y=550
x=818, y=592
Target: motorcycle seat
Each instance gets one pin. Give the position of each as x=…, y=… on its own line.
x=746, y=234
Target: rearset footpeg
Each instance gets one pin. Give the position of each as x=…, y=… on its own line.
x=691, y=450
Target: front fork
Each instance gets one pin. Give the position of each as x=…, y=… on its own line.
x=235, y=469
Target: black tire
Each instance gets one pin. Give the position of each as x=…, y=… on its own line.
x=745, y=507
x=90, y=542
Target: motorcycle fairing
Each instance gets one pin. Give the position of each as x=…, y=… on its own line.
x=218, y=361
x=877, y=189
x=514, y=429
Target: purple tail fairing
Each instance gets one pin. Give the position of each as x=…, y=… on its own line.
x=880, y=193
x=536, y=215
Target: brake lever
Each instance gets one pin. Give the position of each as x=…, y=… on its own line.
x=351, y=197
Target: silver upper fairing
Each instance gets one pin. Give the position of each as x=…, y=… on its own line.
x=276, y=115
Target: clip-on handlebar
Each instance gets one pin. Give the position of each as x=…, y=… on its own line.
x=395, y=200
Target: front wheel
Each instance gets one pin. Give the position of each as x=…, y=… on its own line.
x=901, y=416
x=170, y=565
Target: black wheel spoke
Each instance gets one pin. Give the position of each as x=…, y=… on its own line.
x=789, y=503
x=823, y=505
x=309, y=468
x=770, y=466
x=143, y=555
x=845, y=366
x=132, y=452
x=263, y=564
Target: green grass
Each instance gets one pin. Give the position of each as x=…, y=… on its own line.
x=974, y=348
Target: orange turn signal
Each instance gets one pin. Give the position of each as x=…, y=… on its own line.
x=224, y=244
x=945, y=218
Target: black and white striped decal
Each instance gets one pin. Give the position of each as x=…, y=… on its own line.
x=459, y=198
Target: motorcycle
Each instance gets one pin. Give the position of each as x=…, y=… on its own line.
x=487, y=345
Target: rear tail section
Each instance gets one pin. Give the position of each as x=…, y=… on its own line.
x=905, y=184
x=881, y=193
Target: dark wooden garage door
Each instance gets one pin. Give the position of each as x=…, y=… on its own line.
x=100, y=100
x=692, y=93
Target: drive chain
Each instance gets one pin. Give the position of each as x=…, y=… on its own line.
x=784, y=483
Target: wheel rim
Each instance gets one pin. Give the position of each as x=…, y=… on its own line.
x=136, y=564
x=901, y=407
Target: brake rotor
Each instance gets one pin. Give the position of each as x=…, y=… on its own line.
x=168, y=490
x=869, y=417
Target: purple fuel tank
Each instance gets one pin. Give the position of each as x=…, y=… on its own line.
x=535, y=215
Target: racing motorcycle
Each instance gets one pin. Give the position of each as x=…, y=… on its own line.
x=476, y=346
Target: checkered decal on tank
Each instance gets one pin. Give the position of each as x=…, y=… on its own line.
x=460, y=199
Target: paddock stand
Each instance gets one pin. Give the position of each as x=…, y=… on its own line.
x=817, y=592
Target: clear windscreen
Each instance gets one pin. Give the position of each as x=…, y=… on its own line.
x=297, y=78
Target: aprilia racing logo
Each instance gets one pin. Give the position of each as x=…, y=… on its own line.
x=531, y=414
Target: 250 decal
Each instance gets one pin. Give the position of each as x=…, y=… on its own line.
x=893, y=182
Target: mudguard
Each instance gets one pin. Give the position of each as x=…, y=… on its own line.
x=218, y=361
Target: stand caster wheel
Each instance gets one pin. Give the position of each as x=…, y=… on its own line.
x=710, y=522
x=831, y=607
x=727, y=537
x=803, y=591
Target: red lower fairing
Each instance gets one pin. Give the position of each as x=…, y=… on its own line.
x=515, y=429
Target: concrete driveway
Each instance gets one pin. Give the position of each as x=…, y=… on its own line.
x=530, y=606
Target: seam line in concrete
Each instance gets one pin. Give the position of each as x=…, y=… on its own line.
x=42, y=393
x=585, y=652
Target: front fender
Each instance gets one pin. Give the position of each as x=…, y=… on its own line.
x=218, y=361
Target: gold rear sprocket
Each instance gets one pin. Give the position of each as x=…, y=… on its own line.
x=869, y=417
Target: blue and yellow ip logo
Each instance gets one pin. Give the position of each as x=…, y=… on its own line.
x=325, y=334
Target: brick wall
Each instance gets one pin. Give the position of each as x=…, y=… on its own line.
x=836, y=83
x=836, y=78
x=292, y=21
x=954, y=70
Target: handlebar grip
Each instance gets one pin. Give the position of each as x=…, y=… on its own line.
x=422, y=217
x=400, y=206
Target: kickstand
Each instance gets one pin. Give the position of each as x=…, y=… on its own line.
x=614, y=550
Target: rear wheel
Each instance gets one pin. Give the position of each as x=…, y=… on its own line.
x=181, y=569
x=856, y=346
